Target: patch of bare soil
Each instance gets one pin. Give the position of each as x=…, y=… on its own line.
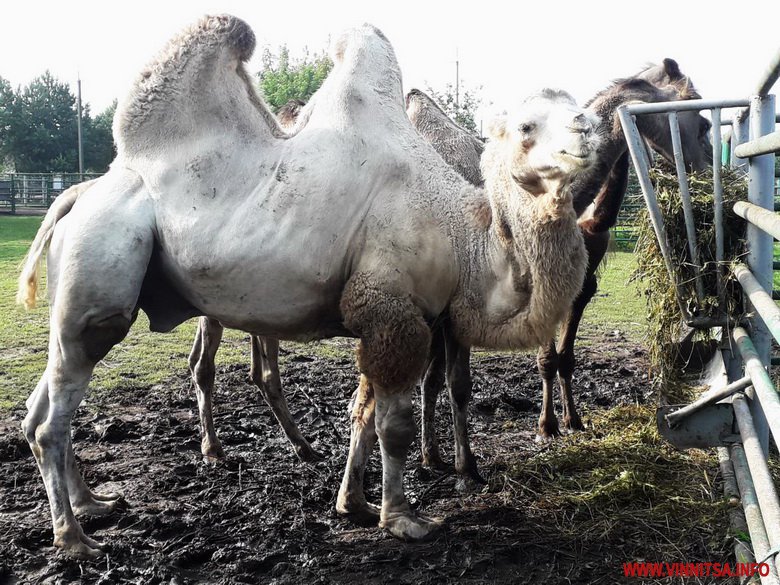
x=263, y=517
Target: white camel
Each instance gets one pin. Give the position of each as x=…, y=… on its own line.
x=352, y=227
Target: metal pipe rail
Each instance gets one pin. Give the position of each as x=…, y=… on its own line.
x=760, y=299
x=767, y=144
x=762, y=383
x=766, y=493
x=710, y=397
x=760, y=217
x=771, y=75
x=750, y=505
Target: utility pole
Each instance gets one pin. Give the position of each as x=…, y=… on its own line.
x=457, y=81
x=78, y=125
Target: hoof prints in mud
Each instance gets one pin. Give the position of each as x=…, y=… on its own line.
x=260, y=515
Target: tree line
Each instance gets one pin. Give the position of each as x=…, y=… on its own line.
x=38, y=122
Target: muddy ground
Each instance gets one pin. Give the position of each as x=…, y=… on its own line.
x=263, y=517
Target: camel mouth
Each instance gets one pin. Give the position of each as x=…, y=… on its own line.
x=580, y=155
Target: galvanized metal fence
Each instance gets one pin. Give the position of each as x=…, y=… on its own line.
x=742, y=406
x=30, y=191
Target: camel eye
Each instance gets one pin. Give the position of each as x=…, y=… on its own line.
x=527, y=128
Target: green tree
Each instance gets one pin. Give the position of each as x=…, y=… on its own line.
x=464, y=110
x=98, y=140
x=283, y=78
x=42, y=128
x=38, y=129
x=6, y=111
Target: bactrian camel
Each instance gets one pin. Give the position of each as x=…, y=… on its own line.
x=598, y=196
x=353, y=227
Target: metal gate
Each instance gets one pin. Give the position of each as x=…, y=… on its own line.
x=742, y=406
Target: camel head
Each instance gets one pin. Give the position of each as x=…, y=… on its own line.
x=289, y=112
x=549, y=139
x=672, y=85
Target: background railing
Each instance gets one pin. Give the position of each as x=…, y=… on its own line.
x=31, y=191
x=742, y=406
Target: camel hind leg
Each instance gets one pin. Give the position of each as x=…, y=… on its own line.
x=93, y=309
x=567, y=363
x=47, y=428
x=432, y=383
x=265, y=374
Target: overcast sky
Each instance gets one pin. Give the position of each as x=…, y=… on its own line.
x=508, y=48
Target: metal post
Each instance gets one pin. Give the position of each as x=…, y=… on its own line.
x=753, y=518
x=638, y=156
x=685, y=195
x=766, y=493
x=760, y=244
x=718, y=204
x=739, y=135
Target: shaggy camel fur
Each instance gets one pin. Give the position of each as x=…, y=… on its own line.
x=598, y=196
x=186, y=208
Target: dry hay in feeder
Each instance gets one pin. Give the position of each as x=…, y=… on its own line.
x=665, y=325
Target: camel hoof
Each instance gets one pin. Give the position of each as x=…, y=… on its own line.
x=470, y=469
x=433, y=461
x=96, y=507
x=545, y=437
x=212, y=449
x=410, y=526
x=573, y=423
x=80, y=547
x=307, y=454
x=108, y=497
x=360, y=511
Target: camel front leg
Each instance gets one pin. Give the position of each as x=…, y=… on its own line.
x=351, y=499
x=459, y=382
x=394, y=345
x=567, y=363
x=396, y=429
x=203, y=370
x=432, y=383
x=547, y=364
x=265, y=374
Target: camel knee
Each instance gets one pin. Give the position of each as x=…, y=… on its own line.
x=100, y=336
x=394, y=337
x=566, y=363
x=203, y=374
x=547, y=361
x=395, y=425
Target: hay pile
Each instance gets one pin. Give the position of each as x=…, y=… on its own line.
x=621, y=485
x=665, y=325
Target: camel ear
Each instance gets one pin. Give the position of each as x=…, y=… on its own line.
x=497, y=127
x=672, y=69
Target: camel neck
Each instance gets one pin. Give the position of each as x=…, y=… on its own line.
x=531, y=266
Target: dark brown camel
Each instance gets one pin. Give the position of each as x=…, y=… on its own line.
x=598, y=197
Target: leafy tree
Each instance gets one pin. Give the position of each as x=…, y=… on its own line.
x=38, y=129
x=42, y=129
x=99, y=148
x=283, y=78
x=464, y=111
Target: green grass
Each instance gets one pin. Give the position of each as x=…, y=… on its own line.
x=617, y=305
x=146, y=359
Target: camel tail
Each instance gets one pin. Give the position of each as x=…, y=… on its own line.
x=27, y=293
